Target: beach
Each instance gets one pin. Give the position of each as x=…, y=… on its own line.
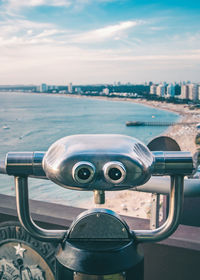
x=184, y=135
x=138, y=204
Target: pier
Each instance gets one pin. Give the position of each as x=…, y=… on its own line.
x=139, y=123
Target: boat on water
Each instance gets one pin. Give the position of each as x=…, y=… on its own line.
x=6, y=127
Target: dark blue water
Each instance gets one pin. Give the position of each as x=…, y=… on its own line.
x=32, y=122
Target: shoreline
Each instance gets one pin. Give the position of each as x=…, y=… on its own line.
x=183, y=135
x=176, y=132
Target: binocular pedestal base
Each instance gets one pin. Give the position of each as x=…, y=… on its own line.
x=105, y=261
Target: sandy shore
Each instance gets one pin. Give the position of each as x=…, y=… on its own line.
x=184, y=135
x=138, y=204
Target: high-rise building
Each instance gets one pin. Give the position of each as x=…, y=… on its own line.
x=193, y=92
x=43, y=88
x=153, y=89
x=184, y=92
x=160, y=90
x=70, y=90
x=170, y=90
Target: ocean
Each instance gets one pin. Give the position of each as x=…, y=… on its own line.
x=32, y=122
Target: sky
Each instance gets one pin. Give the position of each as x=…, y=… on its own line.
x=99, y=41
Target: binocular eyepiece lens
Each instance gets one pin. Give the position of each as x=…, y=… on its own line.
x=83, y=172
x=114, y=172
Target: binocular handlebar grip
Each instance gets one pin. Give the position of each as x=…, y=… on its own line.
x=2, y=167
x=173, y=163
x=25, y=164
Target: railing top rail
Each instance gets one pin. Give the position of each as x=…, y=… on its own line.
x=161, y=185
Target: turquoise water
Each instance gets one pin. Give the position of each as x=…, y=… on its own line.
x=32, y=122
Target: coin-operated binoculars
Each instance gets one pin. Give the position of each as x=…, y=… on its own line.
x=99, y=244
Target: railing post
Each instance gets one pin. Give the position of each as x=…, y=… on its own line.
x=155, y=210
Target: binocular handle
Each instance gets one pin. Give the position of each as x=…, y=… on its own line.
x=22, y=203
x=3, y=167
x=176, y=198
x=170, y=225
x=25, y=164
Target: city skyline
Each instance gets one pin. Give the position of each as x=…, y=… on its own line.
x=99, y=41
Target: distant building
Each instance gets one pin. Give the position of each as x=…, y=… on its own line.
x=184, y=92
x=43, y=88
x=190, y=91
x=153, y=89
x=106, y=91
x=170, y=90
x=199, y=91
x=193, y=92
x=51, y=87
x=160, y=90
x=70, y=90
x=177, y=89
x=37, y=88
x=78, y=90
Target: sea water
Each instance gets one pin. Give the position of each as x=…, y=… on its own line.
x=32, y=122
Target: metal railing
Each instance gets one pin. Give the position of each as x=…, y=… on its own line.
x=158, y=186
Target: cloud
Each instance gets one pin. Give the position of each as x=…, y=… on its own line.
x=50, y=32
x=22, y=31
x=157, y=28
x=31, y=47
x=104, y=33
x=45, y=40
x=14, y=32
x=16, y=4
x=19, y=4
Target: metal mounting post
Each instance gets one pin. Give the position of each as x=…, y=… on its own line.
x=22, y=202
x=175, y=210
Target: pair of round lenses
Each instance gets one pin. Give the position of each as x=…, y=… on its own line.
x=114, y=172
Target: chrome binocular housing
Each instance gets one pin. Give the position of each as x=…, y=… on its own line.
x=101, y=162
x=98, y=162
